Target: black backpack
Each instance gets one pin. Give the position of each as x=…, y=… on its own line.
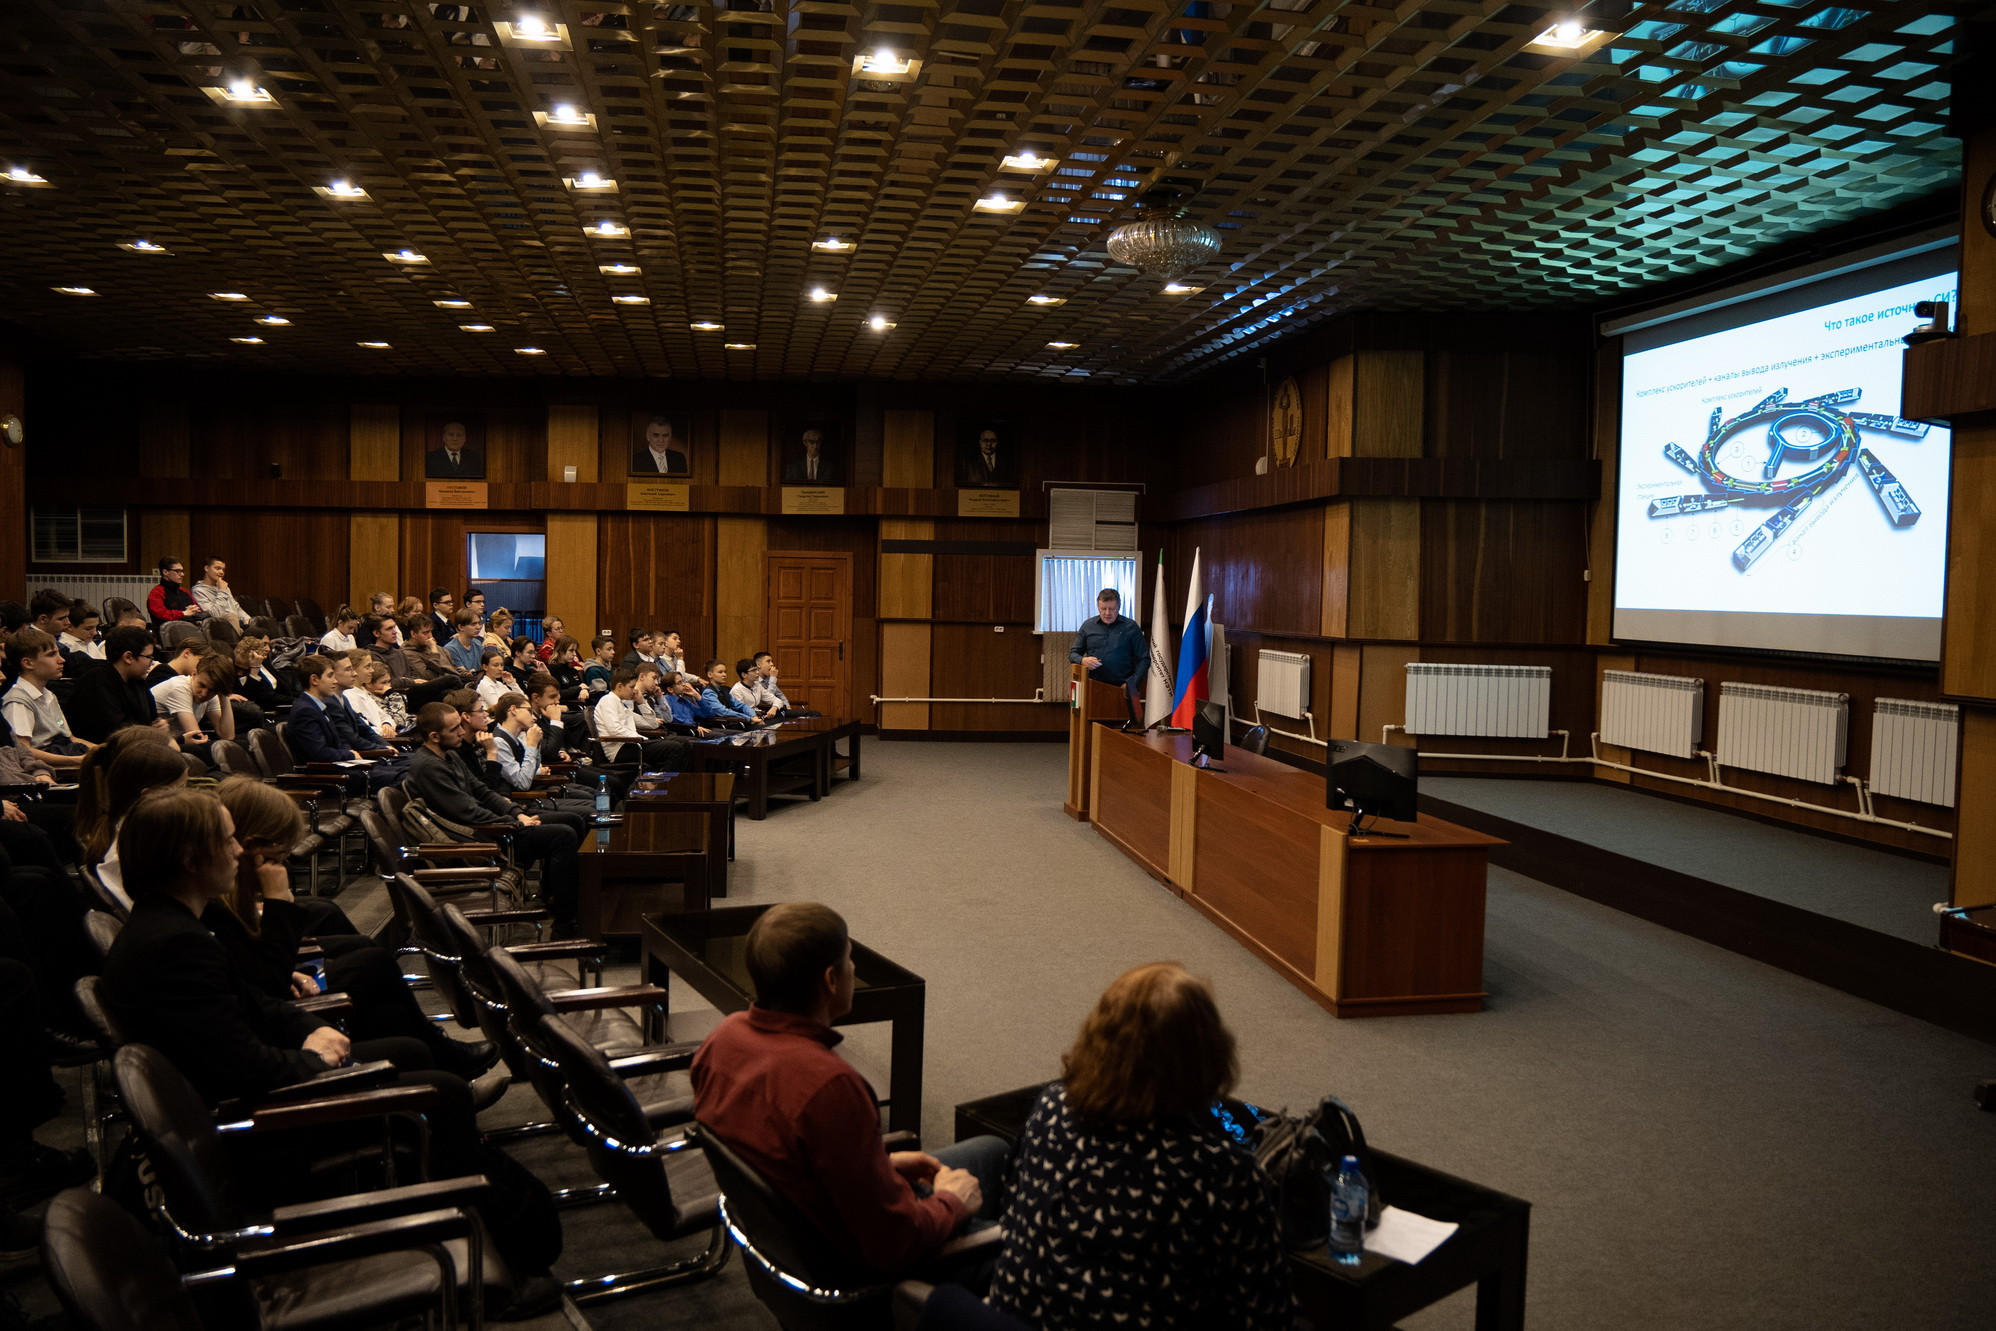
x=1300, y=1154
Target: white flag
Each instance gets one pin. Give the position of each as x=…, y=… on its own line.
x=1157, y=692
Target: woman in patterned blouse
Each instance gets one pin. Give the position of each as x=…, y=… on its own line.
x=1131, y=1208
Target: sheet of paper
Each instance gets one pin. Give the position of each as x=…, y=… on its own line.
x=1407, y=1237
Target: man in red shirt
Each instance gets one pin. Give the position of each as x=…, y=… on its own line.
x=768, y=1084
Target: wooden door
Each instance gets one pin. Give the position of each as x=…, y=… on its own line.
x=810, y=629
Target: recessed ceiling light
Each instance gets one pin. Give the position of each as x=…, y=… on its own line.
x=273, y=321
x=1024, y=160
x=1062, y=346
x=880, y=323
x=452, y=303
x=74, y=291
x=340, y=189
x=476, y=328
x=706, y=326
x=606, y=228
x=998, y=203
x=630, y=300
x=1046, y=300
x=404, y=255
x=246, y=92
x=1180, y=289
x=1568, y=37
x=534, y=28
x=378, y=346
x=618, y=269
x=832, y=245
x=566, y=116
x=1568, y=33
x=741, y=346
x=591, y=182
x=821, y=296
x=227, y=295
x=882, y=61
x=20, y=175
x=142, y=247
x=530, y=351
x=248, y=341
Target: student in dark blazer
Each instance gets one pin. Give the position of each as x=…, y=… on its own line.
x=314, y=733
x=112, y=693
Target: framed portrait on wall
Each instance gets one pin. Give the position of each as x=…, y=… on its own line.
x=661, y=444
x=454, y=446
x=812, y=451
x=986, y=454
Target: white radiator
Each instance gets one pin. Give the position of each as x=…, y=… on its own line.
x=1787, y=732
x=1497, y=701
x=93, y=587
x=1282, y=683
x=1913, y=746
x=1654, y=713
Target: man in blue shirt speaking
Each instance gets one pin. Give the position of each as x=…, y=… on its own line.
x=1111, y=646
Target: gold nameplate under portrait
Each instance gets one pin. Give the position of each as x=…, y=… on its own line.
x=814, y=499
x=987, y=503
x=454, y=494
x=659, y=496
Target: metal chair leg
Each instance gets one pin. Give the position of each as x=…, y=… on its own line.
x=617, y=1285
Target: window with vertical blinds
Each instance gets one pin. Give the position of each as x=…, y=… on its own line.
x=1092, y=544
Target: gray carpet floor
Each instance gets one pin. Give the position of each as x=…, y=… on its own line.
x=1893, y=894
x=1707, y=1142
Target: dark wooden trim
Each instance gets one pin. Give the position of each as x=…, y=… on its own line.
x=979, y=736
x=958, y=548
x=1924, y=982
x=1950, y=377
x=1577, y=479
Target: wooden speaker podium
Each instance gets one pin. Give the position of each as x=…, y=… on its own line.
x=1090, y=703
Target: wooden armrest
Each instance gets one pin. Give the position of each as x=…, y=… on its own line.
x=390, y=1234
x=506, y=916
x=334, y=1005
x=903, y=1140
x=309, y=781
x=307, y=950
x=443, y=877
x=333, y=1081
x=361, y=1207
x=321, y=770
x=452, y=850
x=495, y=829
x=658, y=1058
x=556, y=949
x=344, y=1108
x=979, y=1243
x=526, y=796
x=594, y=1000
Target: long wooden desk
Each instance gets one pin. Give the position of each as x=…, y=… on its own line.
x=1367, y=926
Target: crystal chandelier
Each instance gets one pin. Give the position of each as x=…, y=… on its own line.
x=1162, y=242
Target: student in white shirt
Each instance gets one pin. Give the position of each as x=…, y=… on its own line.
x=369, y=698
x=339, y=638
x=196, y=706
x=494, y=680
x=748, y=689
x=618, y=729
x=81, y=635
x=31, y=707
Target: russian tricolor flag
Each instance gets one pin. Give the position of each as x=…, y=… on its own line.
x=1192, y=647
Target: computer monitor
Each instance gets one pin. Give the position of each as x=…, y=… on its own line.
x=1209, y=731
x=1372, y=780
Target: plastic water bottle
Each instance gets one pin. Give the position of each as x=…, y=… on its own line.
x=1349, y=1196
x=603, y=795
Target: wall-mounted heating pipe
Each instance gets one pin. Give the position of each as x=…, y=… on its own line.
x=1712, y=783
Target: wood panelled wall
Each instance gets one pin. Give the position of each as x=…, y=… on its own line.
x=700, y=573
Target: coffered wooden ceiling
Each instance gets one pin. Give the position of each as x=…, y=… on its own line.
x=1428, y=154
